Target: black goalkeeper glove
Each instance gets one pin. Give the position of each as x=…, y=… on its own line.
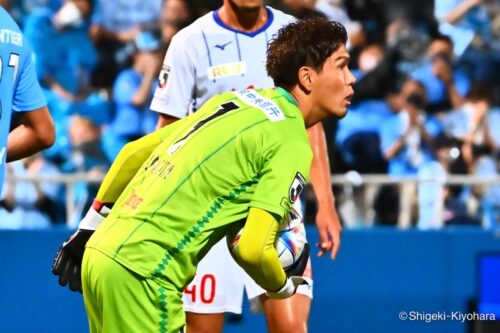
x=68, y=261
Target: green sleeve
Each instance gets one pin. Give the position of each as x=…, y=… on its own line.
x=127, y=163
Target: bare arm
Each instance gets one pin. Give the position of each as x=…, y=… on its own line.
x=142, y=94
x=147, y=65
x=164, y=120
x=395, y=148
x=459, y=11
x=456, y=99
x=444, y=72
x=35, y=132
x=327, y=220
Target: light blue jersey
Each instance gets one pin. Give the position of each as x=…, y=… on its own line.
x=19, y=88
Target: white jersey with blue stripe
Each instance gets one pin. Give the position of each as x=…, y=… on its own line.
x=208, y=58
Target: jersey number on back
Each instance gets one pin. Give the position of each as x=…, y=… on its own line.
x=224, y=108
x=13, y=62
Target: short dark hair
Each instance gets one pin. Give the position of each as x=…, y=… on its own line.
x=307, y=42
x=442, y=38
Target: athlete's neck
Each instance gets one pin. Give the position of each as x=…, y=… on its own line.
x=243, y=19
x=311, y=113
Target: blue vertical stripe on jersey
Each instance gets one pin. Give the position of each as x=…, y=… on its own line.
x=208, y=48
x=238, y=46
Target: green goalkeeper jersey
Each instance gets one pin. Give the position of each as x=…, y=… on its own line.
x=241, y=149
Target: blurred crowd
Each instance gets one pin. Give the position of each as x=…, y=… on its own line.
x=427, y=101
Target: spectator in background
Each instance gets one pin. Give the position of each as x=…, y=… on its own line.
x=406, y=133
x=85, y=138
x=65, y=69
x=87, y=157
x=378, y=76
x=404, y=140
x=357, y=138
x=132, y=94
x=431, y=194
x=333, y=10
x=376, y=72
x=445, y=83
x=114, y=25
x=469, y=125
x=474, y=28
x=490, y=195
x=441, y=204
x=176, y=14
x=20, y=9
x=405, y=44
x=72, y=13
x=30, y=204
x=302, y=8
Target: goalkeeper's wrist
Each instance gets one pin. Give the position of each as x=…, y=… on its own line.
x=95, y=215
x=286, y=291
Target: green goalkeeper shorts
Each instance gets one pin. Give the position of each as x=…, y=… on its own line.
x=118, y=300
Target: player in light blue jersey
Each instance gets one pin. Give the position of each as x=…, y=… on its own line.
x=225, y=50
x=20, y=92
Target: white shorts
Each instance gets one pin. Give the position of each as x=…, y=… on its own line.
x=219, y=284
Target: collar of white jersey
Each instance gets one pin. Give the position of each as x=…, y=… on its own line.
x=270, y=18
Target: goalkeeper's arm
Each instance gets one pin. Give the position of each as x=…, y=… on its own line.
x=68, y=259
x=257, y=255
x=126, y=165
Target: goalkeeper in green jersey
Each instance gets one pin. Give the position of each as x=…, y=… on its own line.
x=242, y=158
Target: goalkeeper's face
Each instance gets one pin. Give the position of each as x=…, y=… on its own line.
x=249, y=6
x=331, y=87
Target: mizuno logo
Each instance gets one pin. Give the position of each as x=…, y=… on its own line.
x=223, y=46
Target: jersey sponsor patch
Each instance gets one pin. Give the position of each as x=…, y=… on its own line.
x=163, y=77
x=253, y=98
x=229, y=69
x=298, y=185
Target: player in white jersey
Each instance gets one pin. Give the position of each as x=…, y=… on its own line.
x=222, y=51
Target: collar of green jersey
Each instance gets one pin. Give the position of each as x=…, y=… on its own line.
x=287, y=96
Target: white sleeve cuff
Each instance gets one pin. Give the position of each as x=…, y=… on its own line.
x=286, y=291
x=92, y=219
